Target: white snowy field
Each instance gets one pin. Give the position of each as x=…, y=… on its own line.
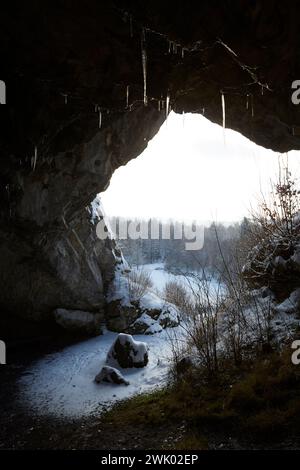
x=160, y=277
x=62, y=384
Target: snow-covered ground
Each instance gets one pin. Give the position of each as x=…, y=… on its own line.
x=62, y=384
x=160, y=277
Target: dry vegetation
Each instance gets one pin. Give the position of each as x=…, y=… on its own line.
x=229, y=375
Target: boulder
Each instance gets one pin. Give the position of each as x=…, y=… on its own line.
x=110, y=375
x=128, y=353
x=145, y=324
x=79, y=321
x=169, y=317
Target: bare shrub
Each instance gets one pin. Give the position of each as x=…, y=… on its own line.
x=180, y=353
x=176, y=293
x=201, y=324
x=139, y=282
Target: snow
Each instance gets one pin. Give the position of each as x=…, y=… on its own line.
x=62, y=384
x=95, y=210
x=160, y=277
x=152, y=326
x=110, y=375
x=138, y=349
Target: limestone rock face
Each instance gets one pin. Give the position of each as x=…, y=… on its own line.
x=51, y=256
x=68, y=66
x=128, y=353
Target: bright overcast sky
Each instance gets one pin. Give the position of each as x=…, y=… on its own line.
x=187, y=172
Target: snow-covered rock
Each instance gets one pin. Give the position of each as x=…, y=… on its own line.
x=79, y=321
x=110, y=375
x=128, y=353
x=148, y=314
x=145, y=325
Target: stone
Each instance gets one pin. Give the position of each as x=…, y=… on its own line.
x=78, y=321
x=145, y=324
x=110, y=375
x=128, y=353
x=169, y=317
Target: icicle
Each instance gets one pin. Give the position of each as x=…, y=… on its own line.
x=162, y=104
x=262, y=90
x=247, y=101
x=167, y=105
x=127, y=96
x=183, y=115
x=223, y=110
x=223, y=114
x=34, y=158
x=252, y=106
x=170, y=46
x=182, y=53
x=144, y=65
x=203, y=111
x=100, y=117
x=158, y=105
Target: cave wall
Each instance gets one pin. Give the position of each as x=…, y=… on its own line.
x=68, y=63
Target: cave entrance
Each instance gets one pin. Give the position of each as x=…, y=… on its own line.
x=192, y=172
x=193, y=169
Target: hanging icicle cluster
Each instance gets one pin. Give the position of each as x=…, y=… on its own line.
x=175, y=48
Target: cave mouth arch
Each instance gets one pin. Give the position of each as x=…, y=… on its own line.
x=194, y=169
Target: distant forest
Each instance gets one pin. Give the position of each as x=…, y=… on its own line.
x=220, y=243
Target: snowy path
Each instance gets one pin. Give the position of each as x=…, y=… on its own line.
x=62, y=384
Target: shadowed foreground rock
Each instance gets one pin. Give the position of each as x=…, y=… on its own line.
x=110, y=375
